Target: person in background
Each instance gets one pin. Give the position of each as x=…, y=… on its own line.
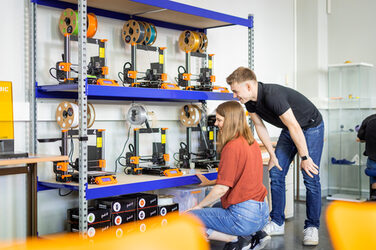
x=243, y=210
x=367, y=134
x=302, y=132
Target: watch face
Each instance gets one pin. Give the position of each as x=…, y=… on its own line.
x=304, y=158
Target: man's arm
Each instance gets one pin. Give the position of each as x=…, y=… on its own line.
x=265, y=138
x=297, y=136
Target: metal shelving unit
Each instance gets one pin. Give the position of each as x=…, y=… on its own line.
x=162, y=13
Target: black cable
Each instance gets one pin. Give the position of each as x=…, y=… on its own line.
x=183, y=145
x=121, y=77
x=71, y=150
x=130, y=65
x=52, y=74
x=173, y=156
x=131, y=148
x=181, y=67
x=117, y=161
x=66, y=194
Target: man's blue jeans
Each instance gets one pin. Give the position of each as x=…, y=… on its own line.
x=285, y=152
x=371, y=165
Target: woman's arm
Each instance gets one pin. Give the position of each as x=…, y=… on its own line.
x=216, y=193
x=205, y=181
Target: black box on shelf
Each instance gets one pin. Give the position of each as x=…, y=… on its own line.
x=147, y=212
x=163, y=210
x=144, y=200
x=124, y=231
x=94, y=215
x=121, y=218
x=117, y=204
x=92, y=229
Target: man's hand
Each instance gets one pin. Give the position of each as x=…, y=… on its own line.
x=204, y=181
x=309, y=167
x=273, y=162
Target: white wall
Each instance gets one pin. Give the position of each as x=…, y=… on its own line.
x=312, y=64
x=12, y=194
x=351, y=32
x=274, y=62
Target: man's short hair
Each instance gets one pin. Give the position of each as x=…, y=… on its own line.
x=241, y=75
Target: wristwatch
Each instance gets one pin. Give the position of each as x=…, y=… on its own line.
x=304, y=158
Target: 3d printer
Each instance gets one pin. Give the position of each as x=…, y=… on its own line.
x=206, y=156
x=157, y=163
x=67, y=171
x=141, y=36
x=96, y=69
x=194, y=44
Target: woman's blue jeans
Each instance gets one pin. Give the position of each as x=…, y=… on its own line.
x=241, y=219
x=285, y=152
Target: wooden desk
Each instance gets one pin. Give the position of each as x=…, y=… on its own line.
x=29, y=167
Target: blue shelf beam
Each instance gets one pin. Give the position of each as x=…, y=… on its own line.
x=195, y=11
x=121, y=189
x=114, y=14
x=69, y=91
x=165, y=5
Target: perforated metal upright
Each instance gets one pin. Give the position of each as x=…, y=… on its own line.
x=251, y=44
x=251, y=58
x=82, y=103
x=32, y=76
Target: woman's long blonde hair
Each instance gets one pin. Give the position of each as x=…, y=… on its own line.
x=234, y=125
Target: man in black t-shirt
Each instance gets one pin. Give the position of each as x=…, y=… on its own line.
x=302, y=133
x=367, y=134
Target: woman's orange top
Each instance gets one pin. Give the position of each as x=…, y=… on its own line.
x=241, y=169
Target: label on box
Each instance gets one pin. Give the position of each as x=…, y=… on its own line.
x=117, y=204
x=94, y=215
x=144, y=200
x=163, y=210
x=121, y=218
x=147, y=213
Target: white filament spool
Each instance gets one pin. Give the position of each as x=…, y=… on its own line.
x=67, y=115
x=165, y=200
x=190, y=115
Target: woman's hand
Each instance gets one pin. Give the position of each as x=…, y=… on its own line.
x=193, y=208
x=204, y=181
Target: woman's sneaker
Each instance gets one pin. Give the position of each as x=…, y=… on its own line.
x=259, y=240
x=311, y=236
x=272, y=228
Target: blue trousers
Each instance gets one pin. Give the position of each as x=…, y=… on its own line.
x=371, y=165
x=285, y=152
x=241, y=219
